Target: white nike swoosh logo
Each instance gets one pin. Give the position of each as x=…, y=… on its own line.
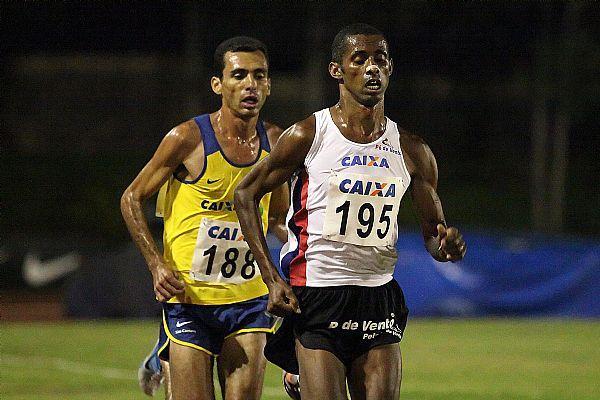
x=180, y=324
x=38, y=273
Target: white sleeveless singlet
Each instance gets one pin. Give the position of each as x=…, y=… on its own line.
x=342, y=222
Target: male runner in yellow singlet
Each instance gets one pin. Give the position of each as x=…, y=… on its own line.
x=212, y=292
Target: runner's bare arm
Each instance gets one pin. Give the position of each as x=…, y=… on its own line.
x=443, y=243
x=286, y=157
x=280, y=198
x=280, y=202
x=172, y=152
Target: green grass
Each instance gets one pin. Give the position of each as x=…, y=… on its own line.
x=443, y=359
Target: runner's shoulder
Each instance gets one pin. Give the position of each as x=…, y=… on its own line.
x=185, y=137
x=414, y=146
x=418, y=156
x=303, y=131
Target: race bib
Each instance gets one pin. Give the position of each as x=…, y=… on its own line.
x=362, y=209
x=221, y=254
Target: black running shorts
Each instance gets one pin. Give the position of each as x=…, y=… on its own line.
x=347, y=321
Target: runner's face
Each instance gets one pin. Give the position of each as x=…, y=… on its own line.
x=366, y=68
x=245, y=83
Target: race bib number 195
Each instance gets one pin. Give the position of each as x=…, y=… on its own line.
x=221, y=254
x=362, y=209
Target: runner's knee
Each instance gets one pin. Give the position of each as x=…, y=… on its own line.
x=244, y=391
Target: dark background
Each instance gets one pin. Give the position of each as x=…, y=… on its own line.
x=506, y=94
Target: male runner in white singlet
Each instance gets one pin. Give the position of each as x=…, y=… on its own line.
x=344, y=312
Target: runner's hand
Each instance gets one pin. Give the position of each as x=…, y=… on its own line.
x=452, y=246
x=282, y=300
x=166, y=283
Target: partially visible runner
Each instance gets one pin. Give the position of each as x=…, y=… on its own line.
x=344, y=312
x=213, y=297
x=153, y=371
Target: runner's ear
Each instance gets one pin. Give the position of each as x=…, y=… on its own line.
x=216, y=85
x=335, y=70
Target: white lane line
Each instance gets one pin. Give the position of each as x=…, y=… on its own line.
x=274, y=391
x=68, y=366
x=62, y=364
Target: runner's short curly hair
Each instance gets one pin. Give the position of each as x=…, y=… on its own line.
x=338, y=47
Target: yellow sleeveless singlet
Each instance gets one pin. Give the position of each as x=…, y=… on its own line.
x=202, y=237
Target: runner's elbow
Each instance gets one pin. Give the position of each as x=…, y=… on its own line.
x=129, y=200
x=125, y=200
x=240, y=197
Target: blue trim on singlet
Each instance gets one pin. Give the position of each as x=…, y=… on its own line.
x=264, y=139
x=206, y=125
x=209, y=139
x=211, y=144
x=286, y=260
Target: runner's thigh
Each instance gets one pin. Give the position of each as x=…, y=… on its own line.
x=322, y=374
x=191, y=373
x=377, y=374
x=241, y=366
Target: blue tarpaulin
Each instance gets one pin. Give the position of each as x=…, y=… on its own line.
x=503, y=275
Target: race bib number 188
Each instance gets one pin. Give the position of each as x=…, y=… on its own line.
x=221, y=254
x=362, y=209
